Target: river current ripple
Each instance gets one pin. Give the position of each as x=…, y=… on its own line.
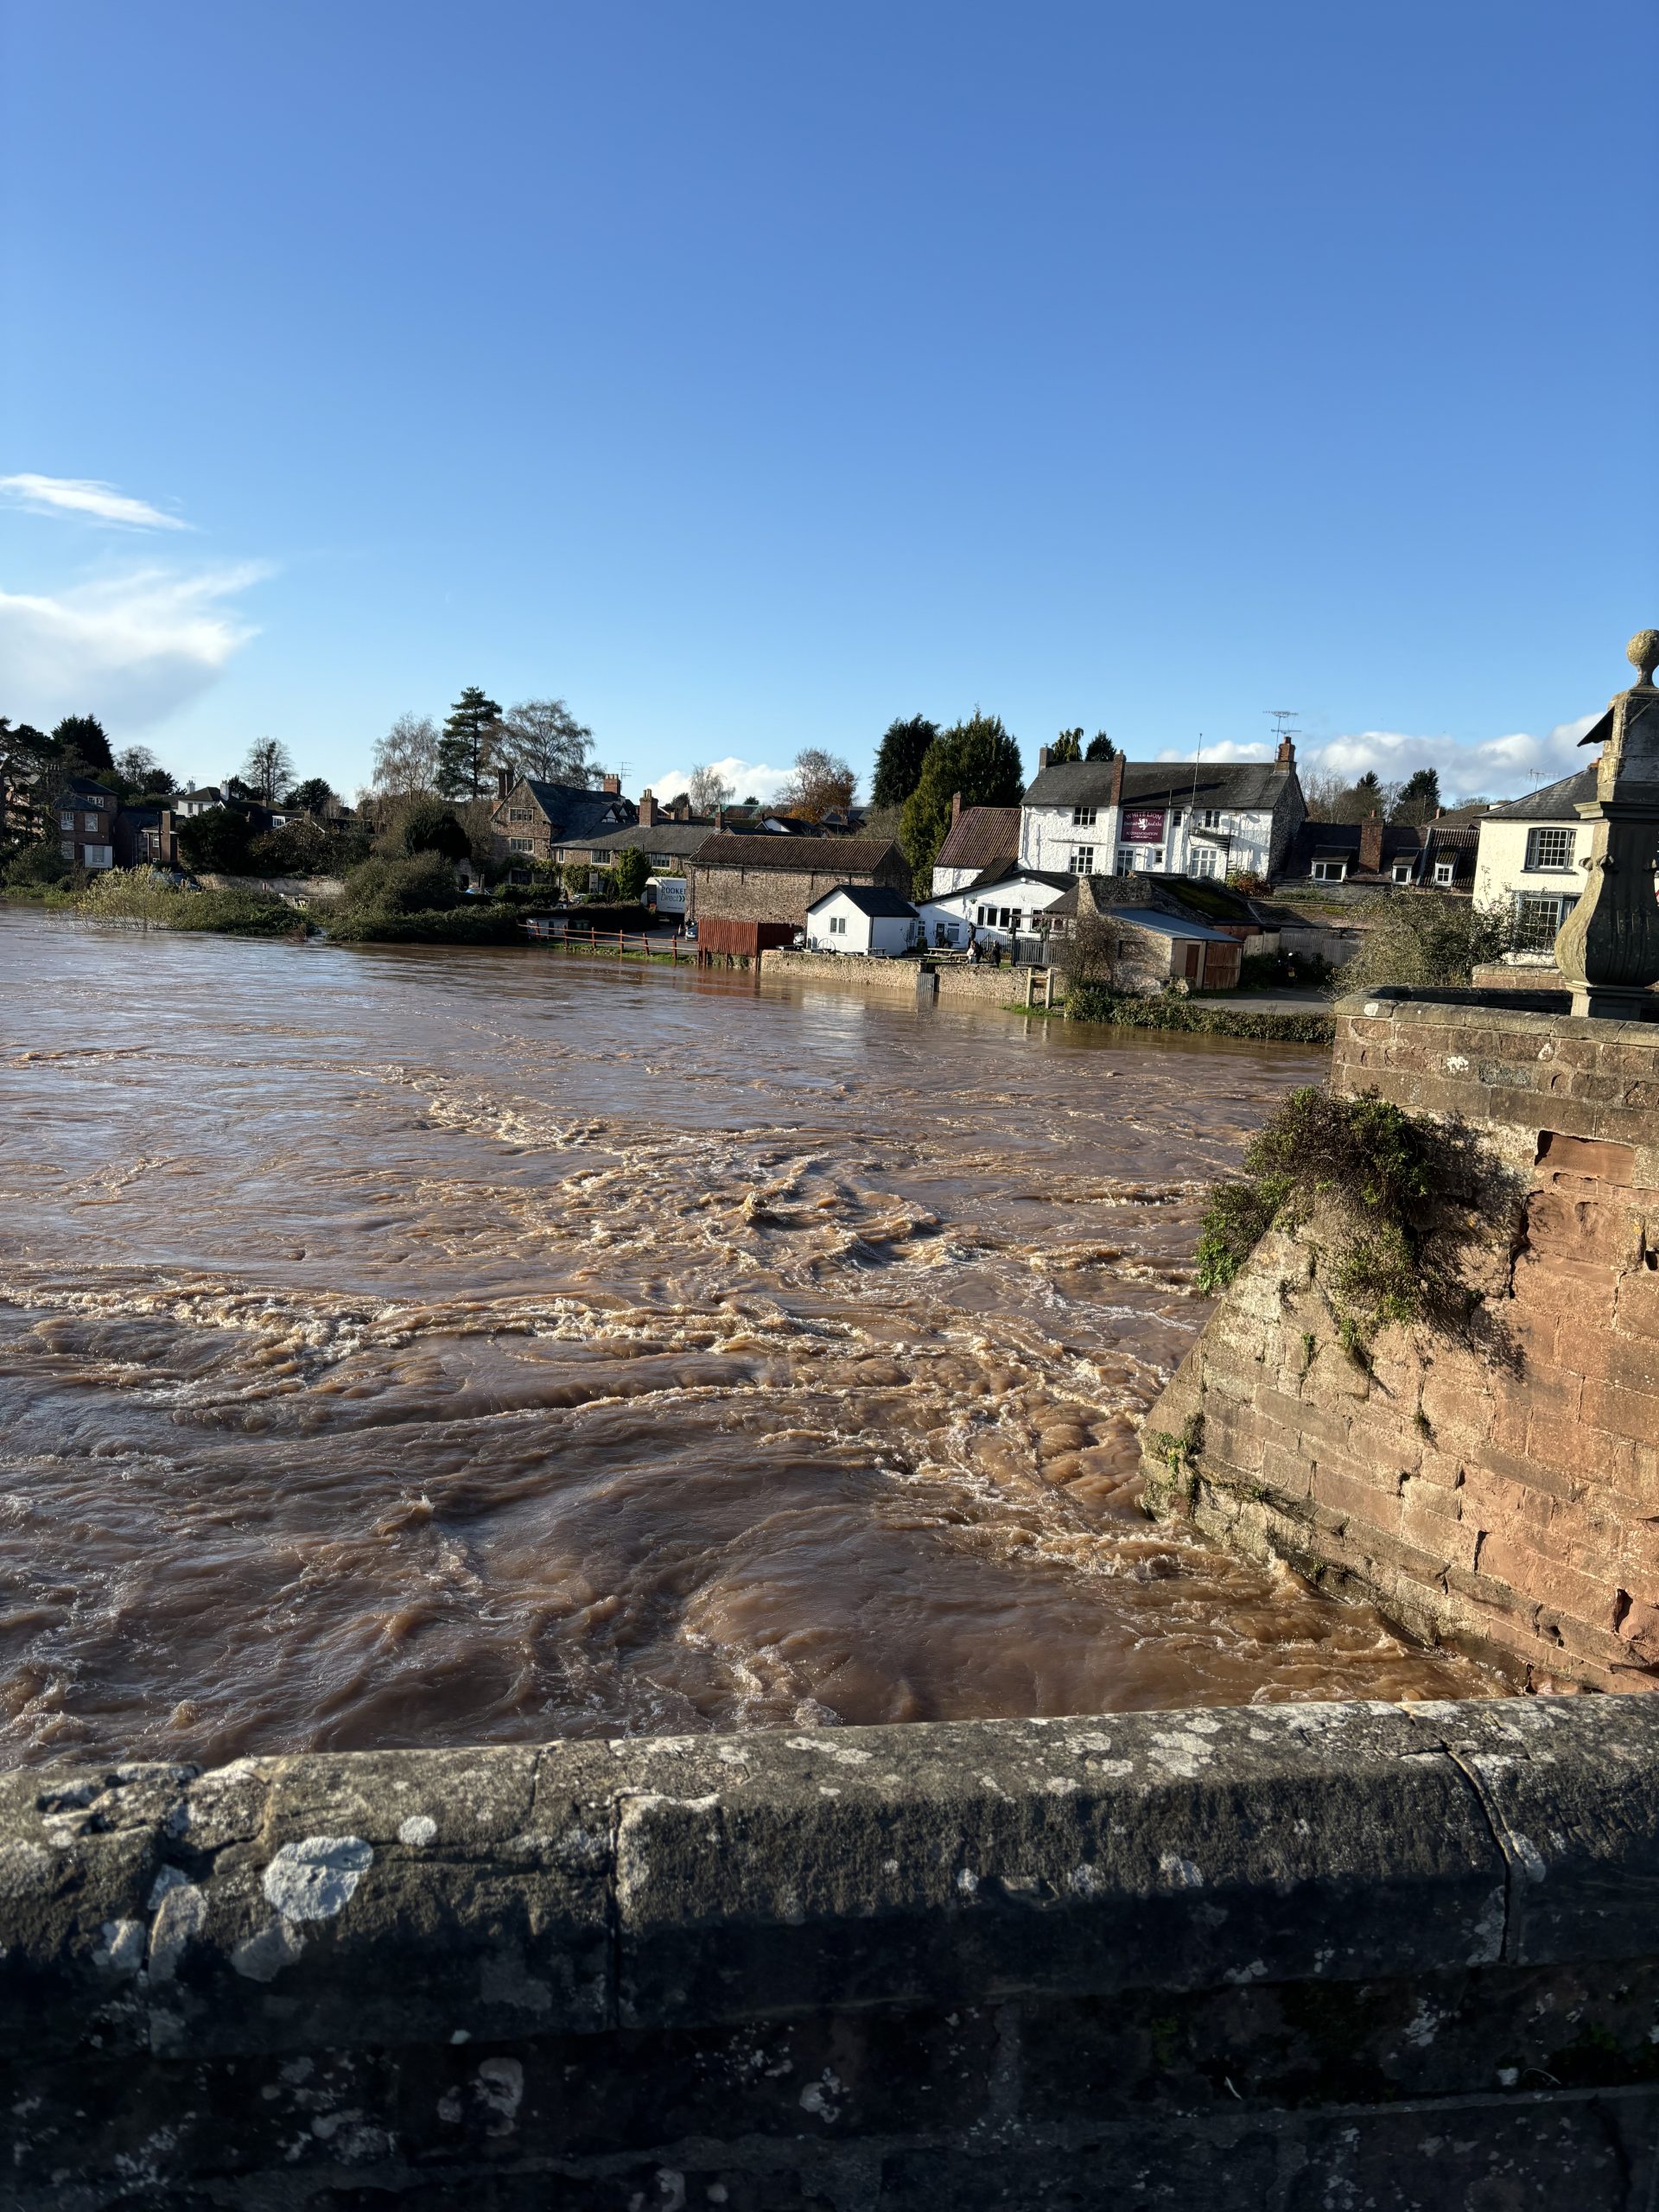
x=405, y=1347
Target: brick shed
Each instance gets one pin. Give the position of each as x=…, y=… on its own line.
x=775, y=878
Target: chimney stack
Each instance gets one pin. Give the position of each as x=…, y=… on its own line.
x=1370, y=843
x=503, y=782
x=1042, y=759
x=720, y=817
x=956, y=808
x=612, y=787
x=647, y=810
x=1286, y=756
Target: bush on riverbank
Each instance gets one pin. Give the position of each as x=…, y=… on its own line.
x=484, y=923
x=1124, y=1010
x=137, y=895
x=1423, y=939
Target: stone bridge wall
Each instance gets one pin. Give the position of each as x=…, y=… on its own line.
x=1507, y=1507
x=1269, y=1960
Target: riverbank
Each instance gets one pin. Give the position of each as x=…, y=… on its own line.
x=1264, y=1018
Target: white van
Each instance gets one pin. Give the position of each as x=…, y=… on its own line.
x=666, y=894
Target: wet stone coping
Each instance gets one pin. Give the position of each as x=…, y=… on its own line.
x=378, y=1898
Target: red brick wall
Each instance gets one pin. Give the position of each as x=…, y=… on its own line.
x=1510, y=1509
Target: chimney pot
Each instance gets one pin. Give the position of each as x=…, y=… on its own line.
x=1042, y=757
x=647, y=810
x=1286, y=756
x=613, y=786
x=956, y=808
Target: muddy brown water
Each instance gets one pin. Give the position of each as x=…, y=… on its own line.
x=415, y=1347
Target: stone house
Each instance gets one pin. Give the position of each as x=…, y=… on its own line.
x=1154, y=939
x=1164, y=817
x=86, y=814
x=667, y=839
x=1531, y=858
x=775, y=879
x=533, y=822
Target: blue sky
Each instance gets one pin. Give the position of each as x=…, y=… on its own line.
x=749, y=375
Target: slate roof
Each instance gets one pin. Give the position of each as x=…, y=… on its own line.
x=825, y=855
x=1339, y=840
x=1006, y=871
x=1241, y=786
x=87, y=784
x=872, y=899
x=1555, y=803
x=579, y=816
x=1147, y=918
x=985, y=837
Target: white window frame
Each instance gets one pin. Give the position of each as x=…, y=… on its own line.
x=1206, y=862
x=837, y=924
x=1329, y=871
x=1536, y=931
x=1083, y=817
x=1083, y=860
x=1403, y=871
x=1445, y=871
x=1558, y=843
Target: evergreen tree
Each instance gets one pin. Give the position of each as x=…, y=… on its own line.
x=1101, y=747
x=1420, y=797
x=85, y=747
x=898, y=760
x=1068, y=746
x=466, y=751
x=977, y=758
x=630, y=876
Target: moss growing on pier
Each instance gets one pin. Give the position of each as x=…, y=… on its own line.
x=1392, y=1202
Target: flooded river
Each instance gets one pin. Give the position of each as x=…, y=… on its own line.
x=414, y=1347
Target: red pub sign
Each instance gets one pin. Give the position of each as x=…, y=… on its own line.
x=1143, y=825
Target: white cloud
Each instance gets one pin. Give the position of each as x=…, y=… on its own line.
x=748, y=779
x=131, y=649
x=1224, y=749
x=1500, y=767
x=87, y=499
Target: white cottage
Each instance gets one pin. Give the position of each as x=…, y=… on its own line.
x=1161, y=818
x=861, y=917
x=1531, y=858
x=1003, y=903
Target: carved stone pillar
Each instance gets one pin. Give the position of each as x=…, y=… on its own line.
x=1608, y=946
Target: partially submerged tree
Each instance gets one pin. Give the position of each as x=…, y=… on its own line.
x=898, y=760
x=470, y=746
x=819, y=784
x=977, y=758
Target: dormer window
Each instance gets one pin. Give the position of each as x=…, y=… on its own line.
x=1403, y=871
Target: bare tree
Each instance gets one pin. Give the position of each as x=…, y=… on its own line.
x=269, y=769
x=709, y=788
x=406, y=758
x=1092, y=951
x=543, y=739
x=819, y=783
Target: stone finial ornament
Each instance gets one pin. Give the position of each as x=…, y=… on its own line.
x=1608, y=946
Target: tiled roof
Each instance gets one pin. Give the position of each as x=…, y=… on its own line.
x=822, y=855
x=680, y=838
x=983, y=838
